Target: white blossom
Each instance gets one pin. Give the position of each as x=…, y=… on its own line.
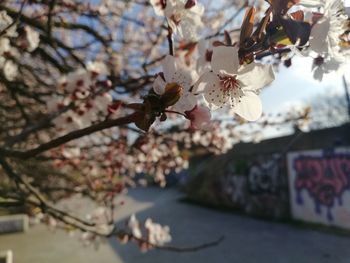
x=204, y=56
x=32, y=37
x=97, y=67
x=134, y=226
x=199, y=116
x=230, y=83
x=4, y=45
x=5, y=22
x=157, y=234
x=183, y=16
x=325, y=35
x=176, y=75
x=10, y=70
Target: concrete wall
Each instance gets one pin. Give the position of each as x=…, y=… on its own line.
x=257, y=185
x=319, y=186
x=305, y=177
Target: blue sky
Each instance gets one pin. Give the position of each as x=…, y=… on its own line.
x=296, y=85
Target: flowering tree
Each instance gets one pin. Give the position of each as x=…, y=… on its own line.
x=93, y=93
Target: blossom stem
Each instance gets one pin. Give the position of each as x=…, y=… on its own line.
x=171, y=41
x=176, y=112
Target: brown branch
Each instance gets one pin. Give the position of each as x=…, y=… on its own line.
x=193, y=248
x=49, y=18
x=41, y=201
x=69, y=137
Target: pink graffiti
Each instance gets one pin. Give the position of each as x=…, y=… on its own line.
x=325, y=178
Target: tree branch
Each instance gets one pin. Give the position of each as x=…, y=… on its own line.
x=69, y=137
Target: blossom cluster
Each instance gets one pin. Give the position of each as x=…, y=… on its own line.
x=102, y=156
x=329, y=39
x=88, y=99
x=152, y=234
x=227, y=74
x=24, y=38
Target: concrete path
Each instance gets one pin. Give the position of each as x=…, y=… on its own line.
x=247, y=240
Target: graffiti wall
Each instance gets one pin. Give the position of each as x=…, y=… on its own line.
x=319, y=185
x=258, y=186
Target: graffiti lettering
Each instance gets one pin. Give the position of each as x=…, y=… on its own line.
x=257, y=187
x=325, y=178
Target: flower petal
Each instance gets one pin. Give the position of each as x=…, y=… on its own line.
x=158, y=7
x=249, y=107
x=255, y=76
x=198, y=9
x=199, y=116
x=187, y=102
x=169, y=67
x=213, y=93
x=202, y=47
x=188, y=31
x=182, y=77
x=159, y=85
x=311, y=3
x=225, y=58
x=206, y=77
x=319, y=36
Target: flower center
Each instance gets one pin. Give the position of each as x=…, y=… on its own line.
x=319, y=61
x=228, y=83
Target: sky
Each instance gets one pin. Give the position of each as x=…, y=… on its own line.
x=296, y=85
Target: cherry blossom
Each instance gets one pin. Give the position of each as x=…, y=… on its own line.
x=204, y=56
x=328, y=27
x=102, y=219
x=5, y=22
x=175, y=75
x=134, y=226
x=156, y=233
x=236, y=85
x=8, y=30
x=85, y=93
x=183, y=16
x=199, y=116
x=30, y=39
x=4, y=45
x=10, y=70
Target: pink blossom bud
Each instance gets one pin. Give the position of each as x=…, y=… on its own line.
x=199, y=117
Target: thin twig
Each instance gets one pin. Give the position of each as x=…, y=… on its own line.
x=171, y=41
x=175, y=248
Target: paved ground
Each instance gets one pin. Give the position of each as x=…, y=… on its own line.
x=247, y=240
